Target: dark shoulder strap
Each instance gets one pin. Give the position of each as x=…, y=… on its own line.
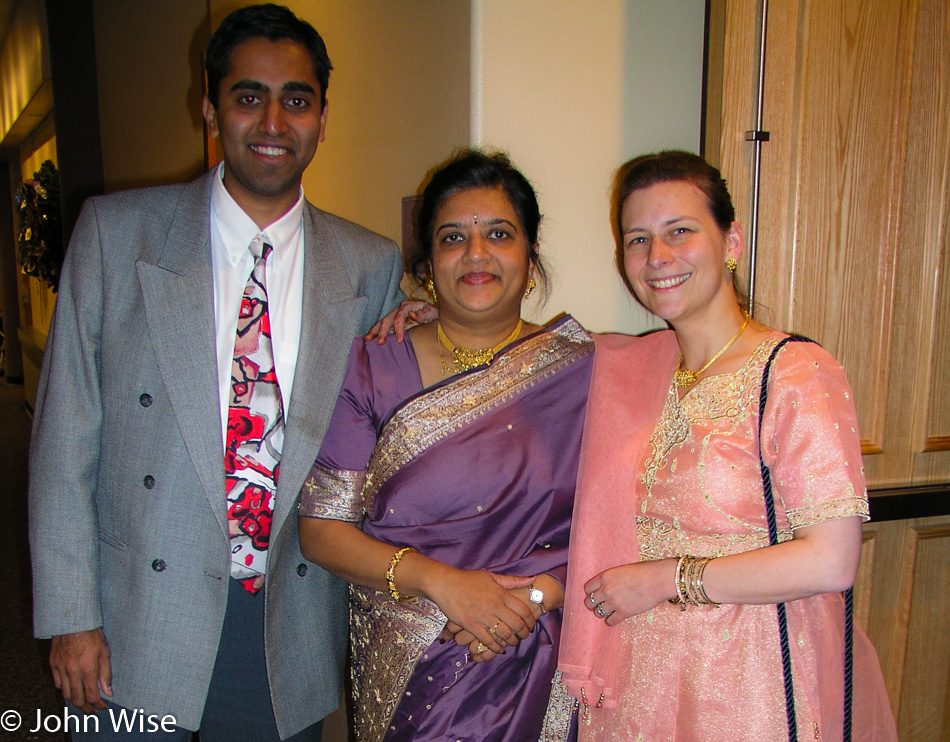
x=763, y=397
x=773, y=539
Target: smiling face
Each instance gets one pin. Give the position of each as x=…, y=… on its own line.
x=480, y=262
x=674, y=252
x=270, y=122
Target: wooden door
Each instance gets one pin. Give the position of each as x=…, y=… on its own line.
x=854, y=203
x=853, y=252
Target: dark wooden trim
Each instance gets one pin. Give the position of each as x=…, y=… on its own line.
x=904, y=503
x=72, y=58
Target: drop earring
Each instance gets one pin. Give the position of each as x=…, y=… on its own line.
x=531, y=287
x=430, y=290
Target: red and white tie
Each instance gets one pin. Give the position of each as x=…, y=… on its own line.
x=255, y=434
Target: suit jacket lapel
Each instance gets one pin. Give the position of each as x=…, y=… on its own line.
x=331, y=317
x=178, y=295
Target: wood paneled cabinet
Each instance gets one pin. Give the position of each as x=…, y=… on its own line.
x=852, y=250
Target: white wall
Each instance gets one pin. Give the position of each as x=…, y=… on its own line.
x=399, y=102
x=572, y=90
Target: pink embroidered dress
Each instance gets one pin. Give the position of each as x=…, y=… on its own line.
x=716, y=672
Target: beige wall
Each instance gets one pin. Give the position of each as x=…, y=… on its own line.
x=398, y=97
x=148, y=66
x=23, y=65
x=568, y=92
x=572, y=93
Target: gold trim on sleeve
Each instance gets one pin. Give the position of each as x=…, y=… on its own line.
x=845, y=507
x=333, y=494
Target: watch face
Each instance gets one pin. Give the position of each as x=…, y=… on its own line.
x=535, y=595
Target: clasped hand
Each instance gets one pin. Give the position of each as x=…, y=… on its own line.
x=487, y=612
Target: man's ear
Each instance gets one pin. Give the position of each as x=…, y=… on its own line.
x=210, y=115
x=323, y=121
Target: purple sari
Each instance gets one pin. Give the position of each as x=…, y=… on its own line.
x=478, y=472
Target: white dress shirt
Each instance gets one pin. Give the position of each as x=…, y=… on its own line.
x=231, y=261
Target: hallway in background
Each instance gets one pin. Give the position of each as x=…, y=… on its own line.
x=25, y=681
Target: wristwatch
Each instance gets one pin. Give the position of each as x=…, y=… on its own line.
x=536, y=596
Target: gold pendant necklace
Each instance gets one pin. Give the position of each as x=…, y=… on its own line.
x=464, y=359
x=684, y=377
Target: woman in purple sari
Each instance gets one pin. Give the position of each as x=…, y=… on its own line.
x=444, y=488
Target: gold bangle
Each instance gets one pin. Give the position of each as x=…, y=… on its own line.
x=689, y=582
x=680, y=598
x=391, y=575
x=698, y=589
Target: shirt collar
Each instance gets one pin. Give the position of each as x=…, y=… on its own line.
x=238, y=229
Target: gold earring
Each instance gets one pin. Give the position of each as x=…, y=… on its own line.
x=531, y=287
x=430, y=289
x=732, y=264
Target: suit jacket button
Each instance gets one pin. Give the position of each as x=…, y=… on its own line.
x=145, y=400
x=159, y=565
x=149, y=482
x=302, y=570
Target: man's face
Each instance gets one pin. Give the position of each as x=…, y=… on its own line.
x=270, y=123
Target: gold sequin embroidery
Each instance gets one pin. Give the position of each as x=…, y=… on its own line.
x=387, y=640
x=557, y=718
x=428, y=419
x=842, y=508
x=334, y=494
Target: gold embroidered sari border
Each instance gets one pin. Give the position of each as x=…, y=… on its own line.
x=557, y=719
x=436, y=414
x=334, y=494
x=387, y=640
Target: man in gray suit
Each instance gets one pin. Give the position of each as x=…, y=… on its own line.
x=129, y=512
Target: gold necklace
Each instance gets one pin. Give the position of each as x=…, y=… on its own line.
x=464, y=359
x=684, y=377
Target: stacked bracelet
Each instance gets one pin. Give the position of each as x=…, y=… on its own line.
x=689, y=582
x=391, y=575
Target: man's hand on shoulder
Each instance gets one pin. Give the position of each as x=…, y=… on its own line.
x=81, y=667
x=400, y=319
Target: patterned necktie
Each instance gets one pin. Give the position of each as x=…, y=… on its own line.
x=255, y=432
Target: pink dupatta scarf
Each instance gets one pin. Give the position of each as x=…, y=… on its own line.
x=630, y=382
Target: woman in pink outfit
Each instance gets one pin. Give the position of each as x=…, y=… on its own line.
x=671, y=629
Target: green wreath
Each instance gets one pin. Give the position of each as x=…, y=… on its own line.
x=40, y=240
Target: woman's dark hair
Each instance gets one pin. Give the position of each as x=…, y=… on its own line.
x=663, y=167
x=271, y=22
x=468, y=169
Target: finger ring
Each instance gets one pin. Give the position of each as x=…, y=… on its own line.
x=492, y=629
x=480, y=648
x=591, y=599
x=599, y=610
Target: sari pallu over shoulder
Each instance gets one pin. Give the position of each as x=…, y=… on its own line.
x=436, y=413
x=628, y=389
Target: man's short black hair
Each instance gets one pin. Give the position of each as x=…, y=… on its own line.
x=271, y=22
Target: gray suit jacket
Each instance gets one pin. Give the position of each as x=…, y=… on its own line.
x=128, y=519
